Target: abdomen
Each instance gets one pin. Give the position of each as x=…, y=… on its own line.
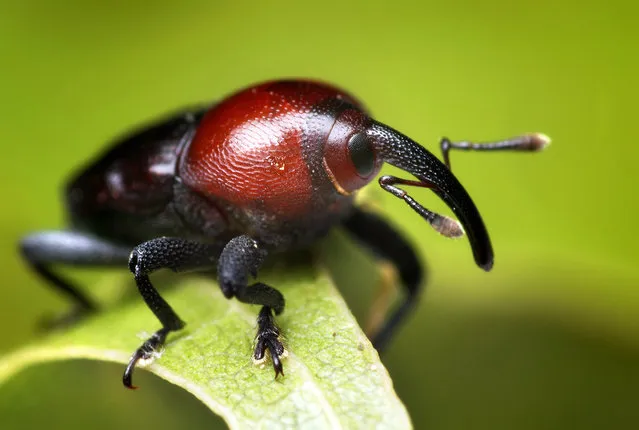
x=125, y=195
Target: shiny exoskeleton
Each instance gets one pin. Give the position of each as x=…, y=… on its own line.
x=271, y=168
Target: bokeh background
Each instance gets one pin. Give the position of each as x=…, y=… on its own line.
x=549, y=339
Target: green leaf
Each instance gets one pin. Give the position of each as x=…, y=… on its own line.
x=333, y=376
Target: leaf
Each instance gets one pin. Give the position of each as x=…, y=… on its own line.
x=333, y=376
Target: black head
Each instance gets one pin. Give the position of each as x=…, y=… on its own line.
x=357, y=147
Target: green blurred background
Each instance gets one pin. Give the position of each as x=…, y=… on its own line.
x=549, y=339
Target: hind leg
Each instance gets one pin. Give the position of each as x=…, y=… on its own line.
x=43, y=250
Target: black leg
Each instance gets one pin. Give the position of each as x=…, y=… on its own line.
x=243, y=256
x=43, y=249
x=386, y=243
x=527, y=142
x=178, y=255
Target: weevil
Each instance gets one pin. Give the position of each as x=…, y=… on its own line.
x=271, y=168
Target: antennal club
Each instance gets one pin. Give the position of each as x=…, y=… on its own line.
x=444, y=225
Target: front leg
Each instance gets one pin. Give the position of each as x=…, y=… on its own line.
x=178, y=255
x=243, y=256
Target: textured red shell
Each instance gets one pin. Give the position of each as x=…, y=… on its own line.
x=248, y=150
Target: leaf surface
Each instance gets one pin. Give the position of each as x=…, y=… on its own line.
x=333, y=375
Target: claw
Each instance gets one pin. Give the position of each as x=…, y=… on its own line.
x=277, y=350
x=258, y=355
x=145, y=352
x=277, y=365
x=128, y=372
x=268, y=338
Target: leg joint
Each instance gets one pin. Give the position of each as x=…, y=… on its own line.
x=229, y=288
x=133, y=262
x=444, y=144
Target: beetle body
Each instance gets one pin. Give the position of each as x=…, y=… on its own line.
x=271, y=168
x=253, y=164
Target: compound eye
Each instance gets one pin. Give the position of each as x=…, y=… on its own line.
x=362, y=155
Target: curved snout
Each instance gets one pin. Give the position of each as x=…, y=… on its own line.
x=400, y=151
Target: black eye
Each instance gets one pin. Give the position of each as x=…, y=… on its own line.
x=361, y=151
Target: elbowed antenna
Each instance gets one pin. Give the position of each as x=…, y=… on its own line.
x=400, y=151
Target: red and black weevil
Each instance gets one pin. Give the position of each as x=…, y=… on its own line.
x=271, y=168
